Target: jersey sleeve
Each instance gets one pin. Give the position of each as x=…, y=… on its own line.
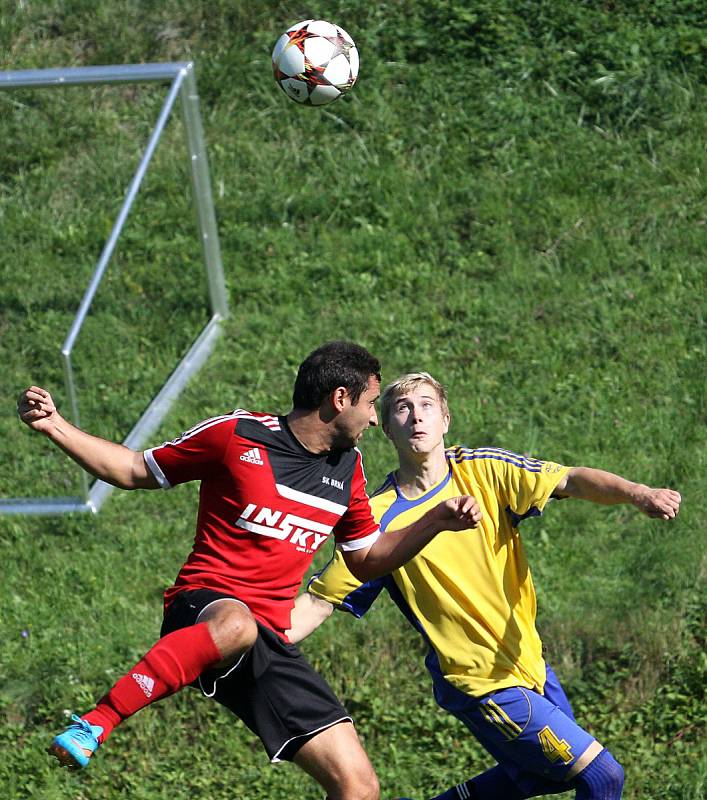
x=528, y=484
x=357, y=528
x=193, y=455
x=339, y=587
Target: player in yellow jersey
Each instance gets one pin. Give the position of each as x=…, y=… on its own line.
x=471, y=597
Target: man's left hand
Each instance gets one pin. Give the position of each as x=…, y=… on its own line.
x=659, y=503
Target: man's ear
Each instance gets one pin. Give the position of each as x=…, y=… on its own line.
x=338, y=398
x=447, y=419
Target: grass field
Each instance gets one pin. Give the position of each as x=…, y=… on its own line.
x=513, y=198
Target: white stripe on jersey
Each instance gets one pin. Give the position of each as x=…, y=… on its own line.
x=363, y=471
x=359, y=544
x=155, y=469
x=311, y=500
x=263, y=530
x=287, y=525
x=202, y=426
x=270, y=421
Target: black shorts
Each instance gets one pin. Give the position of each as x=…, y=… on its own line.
x=273, y=689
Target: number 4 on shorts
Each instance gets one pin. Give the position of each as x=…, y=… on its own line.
x=554, y=749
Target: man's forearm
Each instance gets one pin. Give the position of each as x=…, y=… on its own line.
x=395, y=548
x=605, y=487
x=307, y=615
x=111, y=462
x=599, y=486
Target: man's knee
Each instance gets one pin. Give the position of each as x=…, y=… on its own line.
x=367, y=786
x=602, y=779
x=232, y=627
x=356, y=781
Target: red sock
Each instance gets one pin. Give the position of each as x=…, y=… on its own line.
x=173, y=662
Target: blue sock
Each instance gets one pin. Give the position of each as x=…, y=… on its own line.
x=490, y=785
x=603, y=779
x=453, y=793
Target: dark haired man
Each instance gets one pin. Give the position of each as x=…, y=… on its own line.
x=272, y=489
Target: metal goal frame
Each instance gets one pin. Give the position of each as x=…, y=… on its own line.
x=182, y=86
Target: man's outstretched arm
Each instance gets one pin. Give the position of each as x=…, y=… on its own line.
x=600, y=486
x=395, y=548
x=113, y=463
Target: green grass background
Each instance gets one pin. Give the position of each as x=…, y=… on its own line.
x=513, y=198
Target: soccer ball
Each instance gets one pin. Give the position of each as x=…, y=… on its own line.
x=315, y=62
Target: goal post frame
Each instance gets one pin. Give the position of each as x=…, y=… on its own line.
x=182, y=85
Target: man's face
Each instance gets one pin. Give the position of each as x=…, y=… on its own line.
x=417, y=420
x=353, y=420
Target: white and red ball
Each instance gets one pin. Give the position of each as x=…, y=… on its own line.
x=315, y=62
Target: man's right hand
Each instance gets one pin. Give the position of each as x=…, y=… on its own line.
x=394, y=548
x=36, y=408
x=459, y=513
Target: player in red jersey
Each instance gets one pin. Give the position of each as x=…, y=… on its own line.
x=272, y=490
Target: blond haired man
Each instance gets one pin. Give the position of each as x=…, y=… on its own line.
x=471, y=597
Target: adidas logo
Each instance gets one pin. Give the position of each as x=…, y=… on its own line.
x=145, y=683
x=252, y=457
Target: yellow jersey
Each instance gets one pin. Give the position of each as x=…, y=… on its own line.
x=469, y=593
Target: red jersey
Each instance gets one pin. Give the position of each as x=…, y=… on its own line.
x=266, y=505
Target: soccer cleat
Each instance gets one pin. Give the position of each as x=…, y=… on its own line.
x=74, y=747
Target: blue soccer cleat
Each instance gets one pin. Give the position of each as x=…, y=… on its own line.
x=74, y=747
